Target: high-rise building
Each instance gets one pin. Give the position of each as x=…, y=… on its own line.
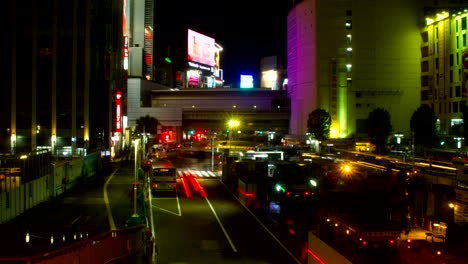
x=350, y=57
x=444, y=67
x=63, y=63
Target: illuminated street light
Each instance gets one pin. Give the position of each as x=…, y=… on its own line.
x=399, y=137
x=233, y=123
x=135, y=180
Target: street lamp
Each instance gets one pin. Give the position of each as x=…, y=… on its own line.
x=135, y=180
x=233, y=123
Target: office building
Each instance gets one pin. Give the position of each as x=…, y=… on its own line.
x=63, y=62
x=350, y=57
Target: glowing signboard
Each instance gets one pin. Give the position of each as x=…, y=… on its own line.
x=201, y=48
x=118, y=111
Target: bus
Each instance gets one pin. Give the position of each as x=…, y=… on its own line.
x=163, y=176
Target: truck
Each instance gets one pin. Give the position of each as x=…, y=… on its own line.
x=364, y=233
x=367, y=208
x=261, y=182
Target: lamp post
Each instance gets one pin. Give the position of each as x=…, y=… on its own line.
x=135, y=180
x=213, y=135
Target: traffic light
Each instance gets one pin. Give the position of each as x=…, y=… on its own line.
x=147, y=166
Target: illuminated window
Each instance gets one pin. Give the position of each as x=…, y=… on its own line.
x=348, y=24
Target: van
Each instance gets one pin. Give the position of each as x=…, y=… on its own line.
x=163, y=176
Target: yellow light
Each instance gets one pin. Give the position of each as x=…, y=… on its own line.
x=233, y=123
x=333, y=132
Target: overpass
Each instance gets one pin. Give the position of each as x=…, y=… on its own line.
x=258, y=109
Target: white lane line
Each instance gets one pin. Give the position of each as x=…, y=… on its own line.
x=76, y=219
x=222, y=227
x=178, y=203
x=106, y=201
x=168, y=211
x=264, y=227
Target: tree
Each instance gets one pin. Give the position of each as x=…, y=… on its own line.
x=318, y=124
x=147, y=124
x=379, y=127
x=423, y=125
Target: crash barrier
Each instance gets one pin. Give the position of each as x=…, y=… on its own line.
x=130, y=245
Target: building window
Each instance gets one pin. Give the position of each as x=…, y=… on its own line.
x=349, y=12
x=458, y=91
x=424, y=95
x=425, y=36
x=458, y=41
x=458, y=59
x=450, y=108
x=424, y=80
x=424, y=66
x=451, y=76
x=455, y=107
x=451, y=59
x=437, y=32
x=425, y=51
x=463, y=23
x=437, y=63
x=464, y=40
x=349, y=25
x=459, y=74
x=456, y=25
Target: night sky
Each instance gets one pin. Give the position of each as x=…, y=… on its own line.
x=247, y=31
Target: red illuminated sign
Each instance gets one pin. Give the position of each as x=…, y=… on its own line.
x=125, y=47
x=118, y=111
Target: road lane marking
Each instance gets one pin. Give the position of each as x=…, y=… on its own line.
x=264, y=227
x=222, y=227
x=106, y=201
x=178, y=204
x=168, y=211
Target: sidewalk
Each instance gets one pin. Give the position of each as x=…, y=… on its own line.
x=454, y=253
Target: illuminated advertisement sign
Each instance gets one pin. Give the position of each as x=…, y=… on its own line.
x=118, y=111
x=200, y=48
x=246, y=81
x=193, y=78
x=125, y=52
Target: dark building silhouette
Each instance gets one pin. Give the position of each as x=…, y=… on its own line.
x=63, y=65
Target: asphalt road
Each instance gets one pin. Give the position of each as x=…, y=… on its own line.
x=202, y=223
x=211, y=226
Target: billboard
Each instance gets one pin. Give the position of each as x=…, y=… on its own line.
x=200, y=48
x=246, y=81
x=118, y=111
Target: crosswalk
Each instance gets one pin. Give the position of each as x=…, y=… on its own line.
x=199, y=173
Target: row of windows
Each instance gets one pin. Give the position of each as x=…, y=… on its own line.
x=451, y=107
